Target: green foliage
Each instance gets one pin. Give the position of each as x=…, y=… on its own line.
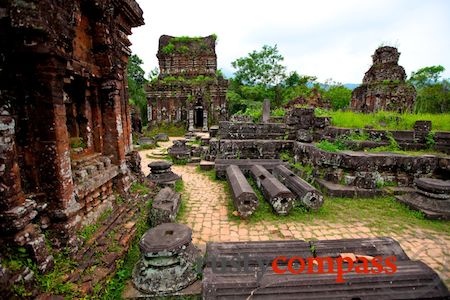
x=140, y=188
x=384, y=120
x=77, y=142
x=433, y=98
x=136, y=82
x=115, y=286
x=180, y=162
x=426, y=76
x=260, y=67
x=171, y=129
x=433, y=94
x=430, y=141
x=179, y=186
x=359, y=136
x=338, y=95
x=88, y=231
x=335, y=146
x=169, y=48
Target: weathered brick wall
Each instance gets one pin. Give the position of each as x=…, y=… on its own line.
x=62, y=75
x=187, y=83
x=384, y=86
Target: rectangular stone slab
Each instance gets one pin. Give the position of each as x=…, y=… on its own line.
x=306, y=193
x=266, y=250
x=244, y=198
x=412, y=280
x=278, y=195
x=245, y=164
x=382, y=246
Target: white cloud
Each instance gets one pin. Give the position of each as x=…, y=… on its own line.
x=327, y=39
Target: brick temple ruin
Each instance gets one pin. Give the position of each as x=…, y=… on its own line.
x=65, y=128
x=384, y=86
x=188, y=88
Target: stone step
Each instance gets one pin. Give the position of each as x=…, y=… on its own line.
x=346, y=191
x=207, y=165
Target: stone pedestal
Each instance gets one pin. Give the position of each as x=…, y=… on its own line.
x=160, y=173
x=168, y=260
x=432, y=197
x=179, y=150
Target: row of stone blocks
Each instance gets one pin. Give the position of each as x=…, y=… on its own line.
x=273, y=190
x=242, y=270
x=432, y=197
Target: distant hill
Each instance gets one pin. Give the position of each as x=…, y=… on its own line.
x=351, y=86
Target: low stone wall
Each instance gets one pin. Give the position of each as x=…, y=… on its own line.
x=304, y=126
x=407, y=139
x=246, y=131
x=253, y=149
x=369, y=170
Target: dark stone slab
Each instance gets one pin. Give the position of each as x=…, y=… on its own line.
x=207, y=165
x=244, y=197
x=412, y=280
x=146, y=141
x=245, y=164
x=309, y=196
x=278, y=195
x=254, y=251
x=165, y=237
x=162, y=137
x=346, y=191
x=161, y=165
x=382, y=246
x=165, y=207
x=432, y=208
x=433, y=185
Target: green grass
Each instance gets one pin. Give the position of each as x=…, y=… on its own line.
x=331, y=146
x=382, y=214
x=147, y=146
x=140, y=188
x=170, y=129
x=88, y=231
x=384, y=120
x=115, y=285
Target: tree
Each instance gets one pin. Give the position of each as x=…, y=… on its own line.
x=433, y=93
x=426, y=76
x=338, y=95
x=261, y=67
x=136, y=82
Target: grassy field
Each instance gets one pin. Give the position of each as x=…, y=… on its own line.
x=383, y=214
x=384, y=120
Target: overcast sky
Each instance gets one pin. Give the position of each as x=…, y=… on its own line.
x=327, y=39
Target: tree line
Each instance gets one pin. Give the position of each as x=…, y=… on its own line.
x=261, y=75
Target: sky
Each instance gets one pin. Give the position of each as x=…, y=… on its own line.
x=323, y=38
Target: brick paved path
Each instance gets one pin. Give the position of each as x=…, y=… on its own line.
x=207, y=215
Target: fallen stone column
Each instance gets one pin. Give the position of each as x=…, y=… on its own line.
x=274, y=191
x=165, y=207
x=308, y=195
x=244, y=197
x=245, y=164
